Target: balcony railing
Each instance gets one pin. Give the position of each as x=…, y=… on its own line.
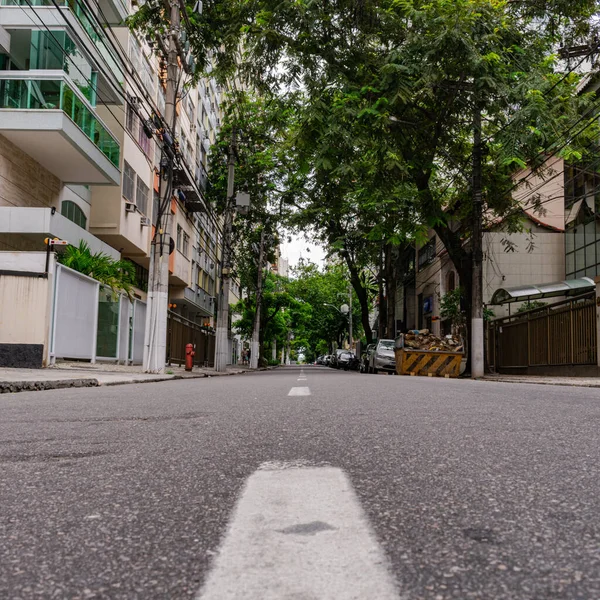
x=85, y=20
x=55, y=94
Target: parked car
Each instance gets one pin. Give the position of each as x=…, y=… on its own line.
x=327, y=359
x=347, y=361
x=383, y=357
x=319, y=360
x=334, y=363
x=365, y=358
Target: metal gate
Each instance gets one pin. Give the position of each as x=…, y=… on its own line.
x=181, y=331
x=558, y=335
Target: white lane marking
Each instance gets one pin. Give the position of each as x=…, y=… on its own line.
x=299, y=391
x=299, y=533
x=301, y=378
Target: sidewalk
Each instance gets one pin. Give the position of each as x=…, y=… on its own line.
x=79, y=374
x=590, y=382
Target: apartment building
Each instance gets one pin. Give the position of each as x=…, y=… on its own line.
x=80, y=160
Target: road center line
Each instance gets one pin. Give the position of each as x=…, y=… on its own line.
x=299, y=533
x=299, y=391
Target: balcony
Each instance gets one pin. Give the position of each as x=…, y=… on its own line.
x=19, y=17
x=189, y=185
x=49, y=118
x=198, y=302
x=32, y=224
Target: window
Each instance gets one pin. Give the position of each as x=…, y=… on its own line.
x=142, y=66
x=141, y=275
x=186, y=243
x=144, y=141
x=128, y=182
x=131, y=117
x=179, y=238
x=450, y=282
x=141, y=196
x=427, y=253
x=71, y=211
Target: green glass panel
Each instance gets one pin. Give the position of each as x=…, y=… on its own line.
x=108, y=325
x=590, y=255
x=58, y=95
x=569, y=240
x=570, y=264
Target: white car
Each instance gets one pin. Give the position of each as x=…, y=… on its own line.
x=383, y=357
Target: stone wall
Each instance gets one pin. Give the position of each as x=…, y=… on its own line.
x=23, y=181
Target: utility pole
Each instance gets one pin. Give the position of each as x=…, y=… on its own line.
x=155, y=343
x=222, y=340
x=255, y=345
x=477, y=353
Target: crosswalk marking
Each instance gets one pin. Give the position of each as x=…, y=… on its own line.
x=299, y=391
x=299, y=532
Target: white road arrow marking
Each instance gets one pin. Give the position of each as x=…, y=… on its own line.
x=299, y=391
x=299, y=532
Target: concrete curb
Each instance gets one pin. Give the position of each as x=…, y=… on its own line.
x=7, y=387
x=529, y=382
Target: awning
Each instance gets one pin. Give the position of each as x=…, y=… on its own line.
x=524, y=293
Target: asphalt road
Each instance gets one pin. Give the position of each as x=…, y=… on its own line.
x=472, y=489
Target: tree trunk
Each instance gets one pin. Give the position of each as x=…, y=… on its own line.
x=391, y=284
x=382, y=305
x=453, y=241
x=362, y=295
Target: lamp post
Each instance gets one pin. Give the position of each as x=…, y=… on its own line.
x=346, y=311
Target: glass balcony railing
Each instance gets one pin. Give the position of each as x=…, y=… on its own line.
x=85, y=20
x=59, y=95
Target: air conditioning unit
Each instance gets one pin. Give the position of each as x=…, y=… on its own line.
x=145, y=221
x=130, y=207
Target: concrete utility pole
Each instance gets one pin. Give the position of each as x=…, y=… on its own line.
x=477, y=351
x=155, y=343
x=222, y=340
x=255, y=345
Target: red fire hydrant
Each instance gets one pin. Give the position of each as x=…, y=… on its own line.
x=189, y=356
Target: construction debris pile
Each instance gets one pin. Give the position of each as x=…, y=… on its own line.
x=424, y=340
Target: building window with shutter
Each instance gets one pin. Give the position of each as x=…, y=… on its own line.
x=179, y=238
x=141, y=196
x=131, y=117
x=186, y=243
x=128, y=182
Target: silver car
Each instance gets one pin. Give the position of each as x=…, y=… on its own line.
x=383, y=357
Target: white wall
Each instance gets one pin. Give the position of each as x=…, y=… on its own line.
x=25, y=302
x=545, y=263
x=548, y=187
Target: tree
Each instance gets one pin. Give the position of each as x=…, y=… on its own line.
x=387, y=96
x=323, y=291
x=391, y=92
x=280, y=313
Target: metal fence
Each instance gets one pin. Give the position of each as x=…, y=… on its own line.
x=181, y=332
x=558, y=335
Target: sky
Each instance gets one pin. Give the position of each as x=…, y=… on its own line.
x=299, y=247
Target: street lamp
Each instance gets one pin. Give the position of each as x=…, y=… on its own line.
x=346, y=311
